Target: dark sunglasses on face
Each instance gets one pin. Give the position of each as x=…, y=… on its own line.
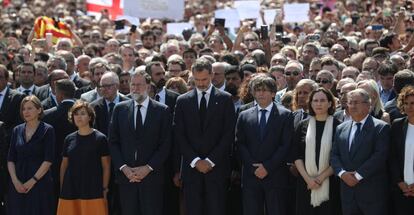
x=291, y=73
x=323, y=81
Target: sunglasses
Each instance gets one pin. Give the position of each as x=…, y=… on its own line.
x=291, y=73
x=323, y=81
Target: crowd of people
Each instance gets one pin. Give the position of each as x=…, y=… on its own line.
x=286, y=118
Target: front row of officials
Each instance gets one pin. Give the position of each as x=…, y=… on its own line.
x=140, y=138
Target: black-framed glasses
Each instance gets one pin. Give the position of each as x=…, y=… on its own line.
x=106, y=86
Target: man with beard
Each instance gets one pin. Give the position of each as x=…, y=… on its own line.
x=140, y=137
x=163, y=95
x=204, y=122
x=234, y=78
x=293, y=74
x=167, y=97
x=148, y=40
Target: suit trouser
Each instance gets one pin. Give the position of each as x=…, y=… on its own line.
x=141, y=199
x=375, y=206
x=257, y=198
x=205, y=197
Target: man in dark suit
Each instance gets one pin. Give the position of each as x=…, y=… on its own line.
x=3, y=169
x=110, y=97
x=401, y=79
x=58, y=118
x=342, y=114
x=204, y=128
x=104, y=107
x=172, y=166
x=27, y=73
x=139, y=140
x=9, y=103
x=263, y=136
x=359, y=156
x=54, y=76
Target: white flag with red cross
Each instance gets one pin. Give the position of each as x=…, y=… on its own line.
x=115, y=8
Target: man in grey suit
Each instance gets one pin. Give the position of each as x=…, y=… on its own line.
x=359, y=155
x=139, y=141
x=97, y=67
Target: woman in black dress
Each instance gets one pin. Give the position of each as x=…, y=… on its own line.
x=29, y=160
x=85, y=168
x=318, y=189
x=402, y=155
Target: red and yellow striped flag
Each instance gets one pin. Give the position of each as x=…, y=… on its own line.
x=46, y=24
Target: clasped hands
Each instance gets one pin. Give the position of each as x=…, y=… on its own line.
x=408, y=190
x=203, y=166
x=136, y=174
x=24, y=188
x=260, y=171
x=350, y=179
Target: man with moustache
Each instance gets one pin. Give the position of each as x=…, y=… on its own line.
x=139, y=139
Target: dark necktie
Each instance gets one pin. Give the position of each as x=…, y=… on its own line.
x=203, y=108
x=157, y=98
x=262, y=123
x=111, y=109
x=357, y=132
x=138, y=119
x=27, y=92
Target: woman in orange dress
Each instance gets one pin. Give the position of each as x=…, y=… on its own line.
x=85, y=169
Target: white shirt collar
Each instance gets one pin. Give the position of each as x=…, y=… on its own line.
x=144, y=103
x=116, y=100
x=3, y=93
x=208, y=91
x=22, y=89
x=362, y=121
x=268, y=108
x=73, y=76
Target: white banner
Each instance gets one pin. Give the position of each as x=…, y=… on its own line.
x=172, y=9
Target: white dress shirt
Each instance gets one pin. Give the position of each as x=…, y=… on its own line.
x=259, y=113
x=115, y=101
x=207, y=96
x=22, y=89
x=162, y=95
x=143, y=110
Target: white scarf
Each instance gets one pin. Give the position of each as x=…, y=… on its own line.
x=409, y=156
x=322, y=194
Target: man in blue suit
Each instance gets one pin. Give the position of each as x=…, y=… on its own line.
x=204, y=128
x=359, y=155
x=263, y=136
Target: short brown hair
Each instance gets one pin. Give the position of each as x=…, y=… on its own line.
x=35, y=101
x=331, y=98
x=404, y=94
x=79, y=104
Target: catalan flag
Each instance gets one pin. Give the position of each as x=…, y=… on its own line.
x=46, y=24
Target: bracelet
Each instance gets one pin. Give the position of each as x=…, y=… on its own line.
x=36, y=179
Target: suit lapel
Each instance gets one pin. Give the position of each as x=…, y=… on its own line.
x=131, y=110
x=148, y=117
x=6, y=101
x=256, y=128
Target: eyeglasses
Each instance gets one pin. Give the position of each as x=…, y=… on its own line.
x=323, y=81
x=292, y=73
